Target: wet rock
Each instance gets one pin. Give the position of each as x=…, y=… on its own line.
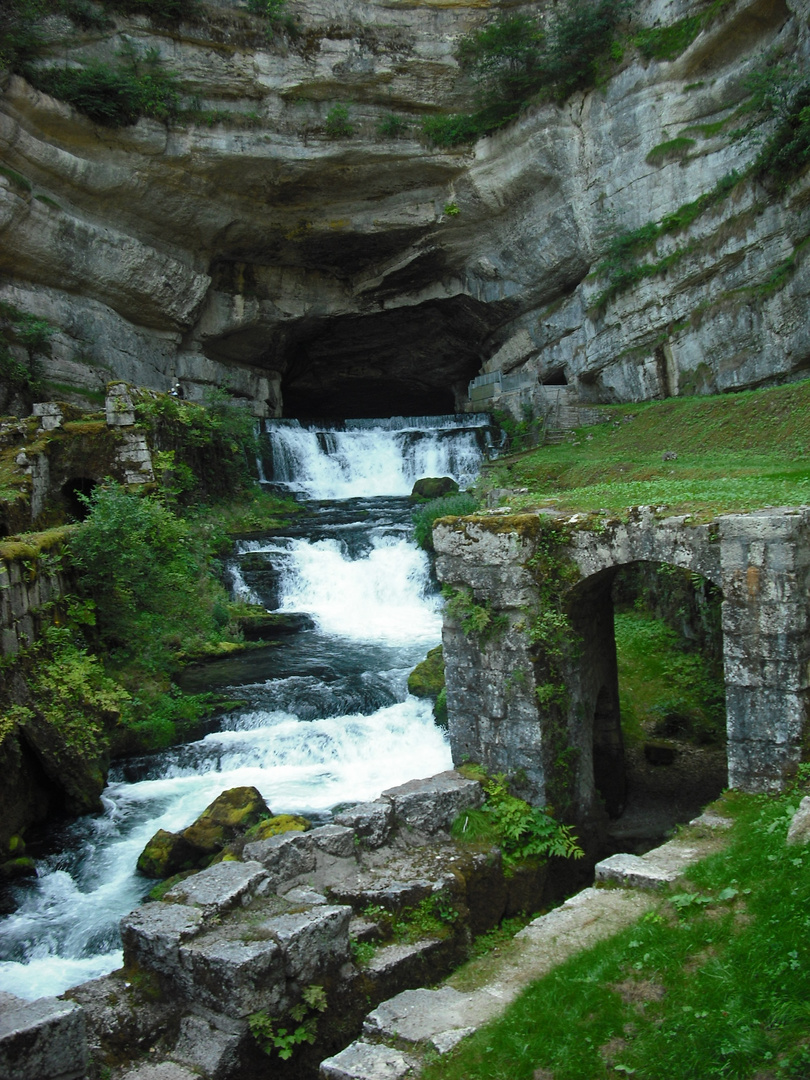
x=371, y=821
x=279, y=823
x=230, y=815
x=166, y=854
x=433, y=487
x=14, y=869
x=42, y=1040
x=221, y=887
x=262, y=625
x=431, y=805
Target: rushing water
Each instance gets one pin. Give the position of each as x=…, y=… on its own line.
x=327, y=717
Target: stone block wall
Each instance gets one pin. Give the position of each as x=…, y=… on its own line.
x=26, y=588
x=762, y=563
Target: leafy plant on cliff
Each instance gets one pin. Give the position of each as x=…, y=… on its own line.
x=517, y=58
x=520, y=830
x=29, y=333
x=479, y=621
x=337, y=124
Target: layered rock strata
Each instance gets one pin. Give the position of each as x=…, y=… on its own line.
x=363, y=275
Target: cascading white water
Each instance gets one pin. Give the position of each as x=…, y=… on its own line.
x=329, y=720
x=377, y=458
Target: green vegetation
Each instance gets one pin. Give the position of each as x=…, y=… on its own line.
x=432, y=917
x=279, y=19
x=337, y=125
x=621, y=267
x=523, y=433
x=712, y=984
x=477, y=620
x=672, y=150
x=429, y=512
x=301, y=1026
x=521, y=831
x=392, y=126
x=114, y=96
x=26, y=332
x=668, y=42
x=735, y=452
x=515, y=59
x=666, y=688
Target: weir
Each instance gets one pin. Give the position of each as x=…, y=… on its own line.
x=326, y=717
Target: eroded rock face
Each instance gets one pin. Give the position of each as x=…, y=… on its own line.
x=322, y=276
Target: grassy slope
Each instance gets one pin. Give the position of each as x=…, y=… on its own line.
x=716, y=983
x=734, y=452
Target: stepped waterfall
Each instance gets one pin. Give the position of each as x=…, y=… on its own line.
x=326, y=719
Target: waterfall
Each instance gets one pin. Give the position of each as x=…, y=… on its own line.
x=327, y=719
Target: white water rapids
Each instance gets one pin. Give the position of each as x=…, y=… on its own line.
x=327, y=718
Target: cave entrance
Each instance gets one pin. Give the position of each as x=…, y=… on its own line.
x=671, y=702
x=74, y=491
x=609, y=770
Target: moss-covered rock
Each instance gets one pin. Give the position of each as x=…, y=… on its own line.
x=427, y=678
x=18, y=868
x=229, y=816
x=433, y=487
x=166, y=854
x=281, y=823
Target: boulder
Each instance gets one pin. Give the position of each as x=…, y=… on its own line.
x=42, y=1040
x=231, y=814
x=433, y=487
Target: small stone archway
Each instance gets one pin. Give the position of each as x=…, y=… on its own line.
x=761, y=561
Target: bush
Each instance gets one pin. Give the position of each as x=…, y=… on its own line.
x=337, y=124
x=392, y=126
x=148, y=576
x=111, y=96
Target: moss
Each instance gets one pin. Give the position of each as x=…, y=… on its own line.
x=280, y=823
x=672, y=150
x=427, y=678
x=32, y=545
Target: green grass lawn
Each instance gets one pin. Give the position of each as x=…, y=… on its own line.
x=735, y=452
x=714, y=984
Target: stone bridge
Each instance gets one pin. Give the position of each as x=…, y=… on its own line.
x=540, y=585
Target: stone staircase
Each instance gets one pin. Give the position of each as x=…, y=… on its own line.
x=399, y=1032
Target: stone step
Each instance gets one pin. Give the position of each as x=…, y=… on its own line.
x=438, y=1019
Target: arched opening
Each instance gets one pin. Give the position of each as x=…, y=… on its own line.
x=74, y=490
x=669, y=654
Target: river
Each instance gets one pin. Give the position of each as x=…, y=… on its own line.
x=327, y=717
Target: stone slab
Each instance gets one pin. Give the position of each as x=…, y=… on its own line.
x=206, y=1048
x=234, y=977
x=312, y=940
x=153, y=934
x=221, y=887
x=284, y=857
x=43, y=1040
x=431, y=805
x=427, y=1016
x=338, y=840
x=161, y=1070
x=372, y=821
x=367, y=1061
x=634, y=873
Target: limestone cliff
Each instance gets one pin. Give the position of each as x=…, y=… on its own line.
x=243, y=244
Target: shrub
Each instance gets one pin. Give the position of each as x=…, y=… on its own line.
x=148, y=577
x=392, y=126
x=520, y=830
x=111, y=96
x=454, y=130
x=337, y=124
